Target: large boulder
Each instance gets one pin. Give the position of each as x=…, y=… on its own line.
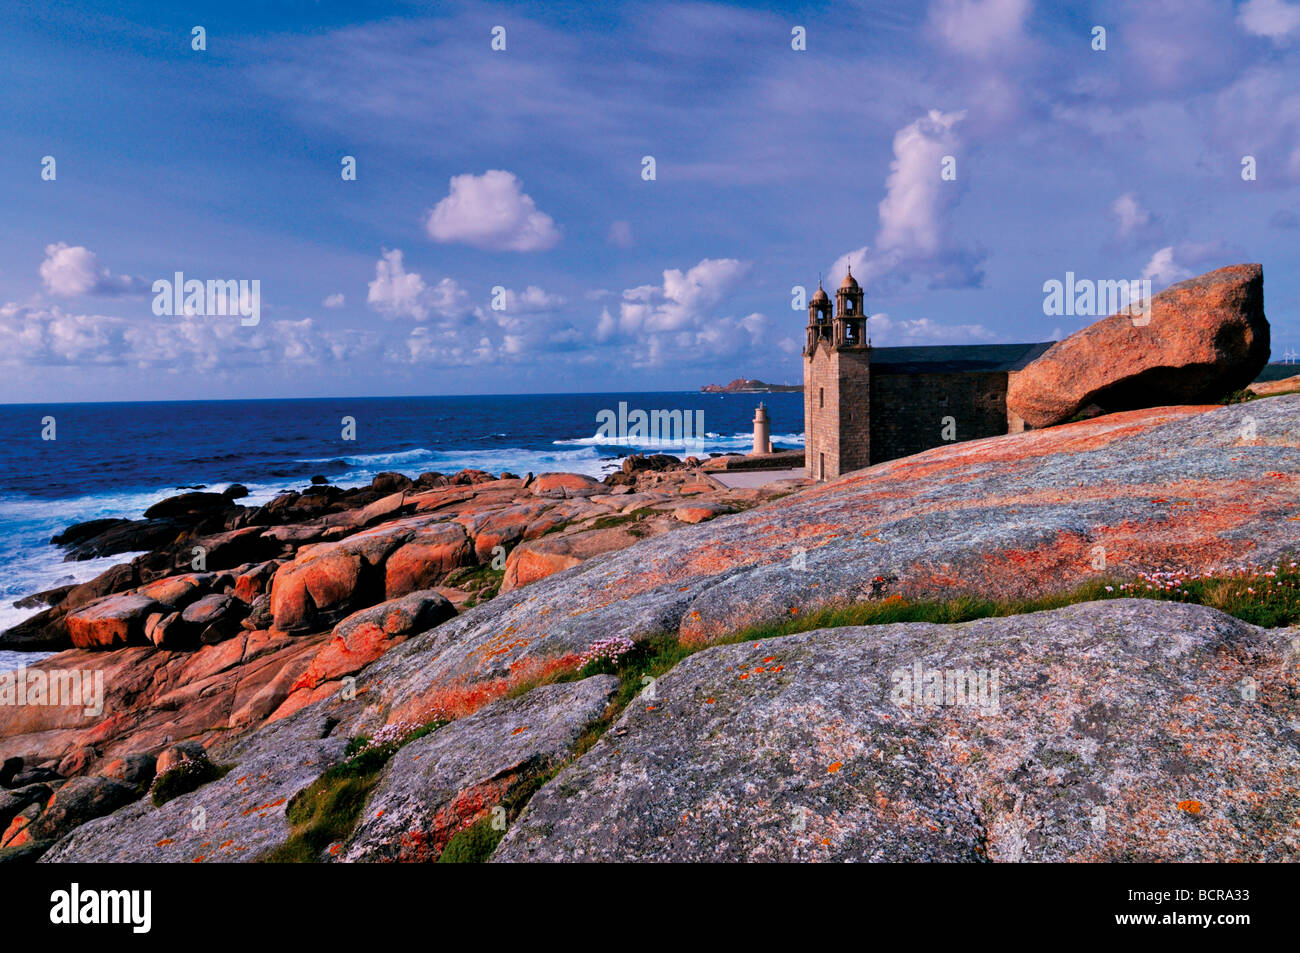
x=1126, y=730
x=188, y=505
x=426, y=558
x=314, y=584
x=1203, y=338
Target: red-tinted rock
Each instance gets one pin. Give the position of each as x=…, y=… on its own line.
x=432, y=553
x=537, y=559
x=500, y=528
x=1288, y=385
x=134, y=769
x=111, y=622
x=304, y=587
x=364, y=636
x=251, y=583
x=176, y=592
x=699, y=512
x=566, y=485
x=1203, y=338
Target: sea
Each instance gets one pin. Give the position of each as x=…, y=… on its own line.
x=117, y=459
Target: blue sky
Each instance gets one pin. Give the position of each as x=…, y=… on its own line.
x=522, y=170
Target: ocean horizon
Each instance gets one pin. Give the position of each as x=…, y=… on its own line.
x=116, y=459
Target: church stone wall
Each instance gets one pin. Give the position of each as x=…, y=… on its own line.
x=908, y=410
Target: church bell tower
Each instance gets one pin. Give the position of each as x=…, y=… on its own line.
x=837, y=383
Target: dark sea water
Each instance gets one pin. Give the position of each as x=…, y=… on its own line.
x=118, y=459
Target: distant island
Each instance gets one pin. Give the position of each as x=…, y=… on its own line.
x=743, y=385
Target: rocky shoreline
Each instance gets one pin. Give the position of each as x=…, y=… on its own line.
x=377, y=641
x=236, y=614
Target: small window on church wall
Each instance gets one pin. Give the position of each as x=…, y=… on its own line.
x=821, y=397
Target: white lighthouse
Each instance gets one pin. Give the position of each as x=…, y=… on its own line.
x=762, y=431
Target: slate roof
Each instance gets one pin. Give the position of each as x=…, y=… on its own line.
x=955, y=358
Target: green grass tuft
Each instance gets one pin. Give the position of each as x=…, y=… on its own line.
x=189, y=775
x=327, y=810
x=473, y=845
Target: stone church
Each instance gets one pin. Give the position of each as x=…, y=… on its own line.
x=865, y=405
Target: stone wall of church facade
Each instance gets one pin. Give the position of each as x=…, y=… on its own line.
x=908, y=411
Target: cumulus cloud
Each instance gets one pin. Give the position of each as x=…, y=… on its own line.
x=684, y=318
x=40, y=337
x=1275, y=19
x=446, y=348
x=72, y=270
x=398, y=293
x=532, y=300
x=47, y=337
x=915, y=235
x=683, y=301
x=333, y=301
x=491, y=212
x=1187, y=260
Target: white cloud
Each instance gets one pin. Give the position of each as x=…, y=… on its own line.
x=1271, y=18
x=912, y=213
x=915, y=235
x=36, y=336
x=395, y=293
x=890, y=332
x=72, y=270
x=685, y=318
x=981, y=28
x=398, y=293
x=1186, y=260
x=1162, y=270
x=532, y=300
x=1129, y=214
x=491, y=212
x=446, y=348
x=333, y=301
x=684, y=300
